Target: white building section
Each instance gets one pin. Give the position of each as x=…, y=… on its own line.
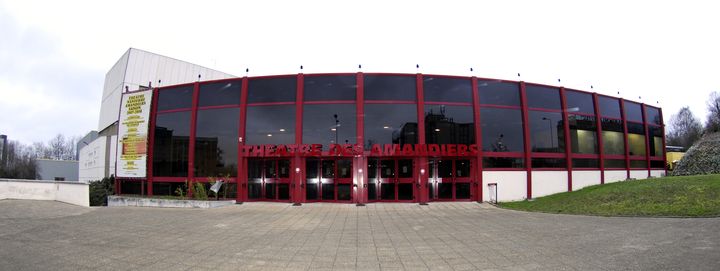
x=612, y=176
x=549, y=182
x=583, y=178
x=657, y=173
x=638, y=174
x=511, y=185
x=136, y=69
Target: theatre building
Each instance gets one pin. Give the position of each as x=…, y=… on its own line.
x=367, y=137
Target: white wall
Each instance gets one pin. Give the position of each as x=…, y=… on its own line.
x=92, y=161
x=657, y=173
x=639, y=174
x=113, y=155
x=68, y=192
x=583, y=178
x=548, y=182
x=110, y=104
x=612, y=176
x=511, y=185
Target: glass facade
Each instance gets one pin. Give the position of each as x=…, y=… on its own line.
x=205, y=130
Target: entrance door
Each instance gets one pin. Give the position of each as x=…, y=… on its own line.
x=450, y=180
x=269, y=179
x=391, y=180
x=328, y=179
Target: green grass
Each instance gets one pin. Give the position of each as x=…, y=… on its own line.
x=668, y=196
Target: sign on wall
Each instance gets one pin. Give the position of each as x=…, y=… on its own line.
x=133, y=134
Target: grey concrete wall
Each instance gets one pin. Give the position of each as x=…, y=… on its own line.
x=68, y=192
x=122, y=201
x=51, y=169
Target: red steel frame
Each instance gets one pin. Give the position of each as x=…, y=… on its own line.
x=359, y=193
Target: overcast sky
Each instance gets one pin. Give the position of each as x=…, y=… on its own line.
x=54, y=54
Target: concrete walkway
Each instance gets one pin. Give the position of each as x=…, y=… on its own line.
x=41, y=235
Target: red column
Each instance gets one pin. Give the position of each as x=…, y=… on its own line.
x=151, y=141
x=566, y=128
x=625, y=138
x=359, y=161
x=478, y=140
x=191, y=147
x=422, y=197
x=601, y=148
x=526, y=132
x=664, y=154
x=242, y=163
x=298, y=195
x=647, y=139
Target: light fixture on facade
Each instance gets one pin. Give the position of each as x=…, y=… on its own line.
x=333, y=129
x=437, y=130
x=386, y=127
x=269, y=134
x=282, y=130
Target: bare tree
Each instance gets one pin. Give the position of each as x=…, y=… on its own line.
x=20, y=162
x=713, y=121
x=684, y=128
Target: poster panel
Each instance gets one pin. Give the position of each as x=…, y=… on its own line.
x=133, y=134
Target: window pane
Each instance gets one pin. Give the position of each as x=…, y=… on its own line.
x=387, y=168
x=170, y=150
x=284, y=168
x=548, y=163
x=503, y=162
x=498, y=92
x=585, y=163
x=582, y=134
x=636, y=138
x=276, y=89
x=330, y=88
x=657, y=164
x=344, y=168
x=255, y=169
x=311, y=168
x=449, y=124
x=445, y=168
x=216, y=138
x=633, y=112
x=546, y=131
x=542, y=97
x=328, y=169
x=344, y=192
x=613, y=143
x=320, y=125
x=614, y=163
x=270, y=125
x=372, y=168
x=653, y=115
x=175, y=98
x=390, y=87
x=609, y=107
x=271, y=169
x=502, y=130
x=462, y=168
x=221, y=93
x=405, y=168
x=656, y=145
x=390, y=124
x=579, y=102
x=446, y=89
x=638, y=164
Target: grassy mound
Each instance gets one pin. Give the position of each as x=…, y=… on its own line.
x=668, y=196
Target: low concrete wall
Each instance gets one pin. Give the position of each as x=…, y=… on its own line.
x=122, y=201
x=68, y=192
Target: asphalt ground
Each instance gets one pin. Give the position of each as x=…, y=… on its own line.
x=46, y=235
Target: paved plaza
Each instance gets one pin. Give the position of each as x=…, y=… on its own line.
x=44, y=235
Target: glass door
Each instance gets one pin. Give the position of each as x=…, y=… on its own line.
x=328, y=180
x=391, y=180
x=450, y=180
x=269, y=179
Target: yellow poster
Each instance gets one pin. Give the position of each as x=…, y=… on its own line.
x=133, y=134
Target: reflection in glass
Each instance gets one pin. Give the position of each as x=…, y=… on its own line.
x=175, y=98
x=270, y=125
x=390, y=124
x=462, y=168
x=220, y=93
x=548, y=163
x=497, y=92
x=328, y=169
x=272, y=89
x=656, y=145
x=614, y=163
x=502, y=130
x=579, y=102
x=447, y=89
x=449, y=124
x=633, y=112
x=542, y=97
x=405, y=168
x=652, y=115
x=344, y=168
x=636, y=139
x=582, y=134
x=390, y=88
x=324, y=123
x=585, y=163
x=546, y=131
x=638, y=164
x=609, y=107
x=387, y=168
x=330, y=88
x=170, y=149
x=503, y=162
x=216, y=142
